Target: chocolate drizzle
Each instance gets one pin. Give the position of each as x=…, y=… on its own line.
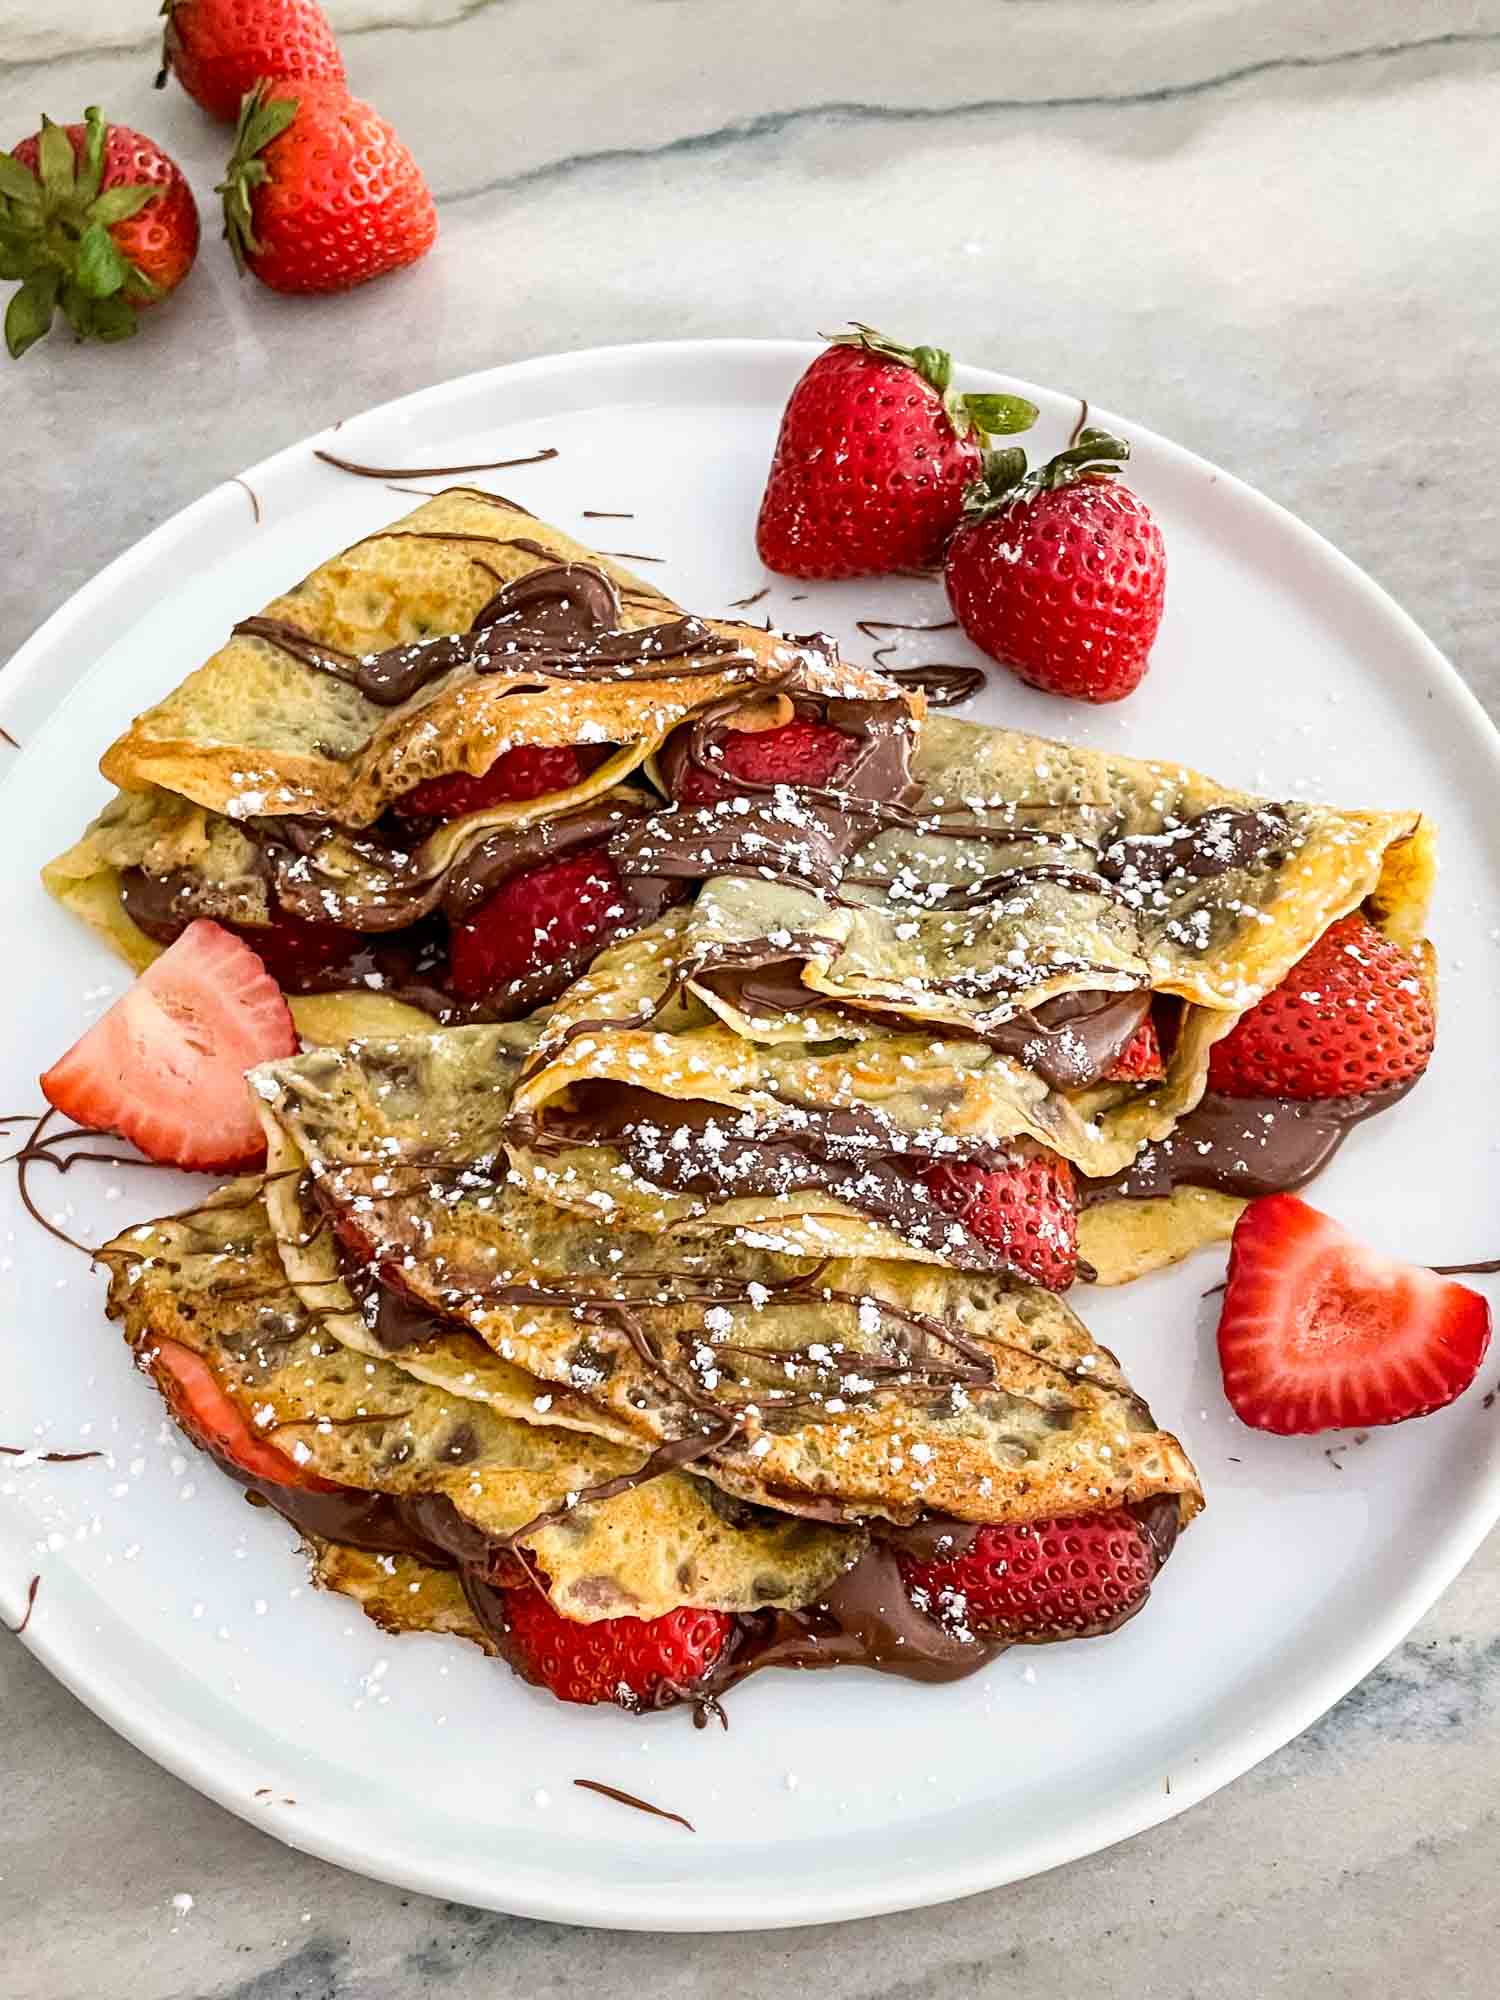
x=1243, y=1146
x=432, y=471
x=629, y=1799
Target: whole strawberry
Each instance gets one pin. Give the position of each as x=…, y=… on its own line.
x=637, y=1662
x=1060, y=573
x=219, y=49
x=873, y=460
x=320, y=194
x=1031, y=1581
x=1352, y=1016
x=94, y=220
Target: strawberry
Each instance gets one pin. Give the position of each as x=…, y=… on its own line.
x=527, y=772
x=93, y=218
x=1026, y=1580
x=800, y=752
x=319, y=193
x=294, y=950
x=637, y=1662
x=1318, y=1332
x=1353, y=1015
x=1060, y=573
x=554, y=914
x=219, y=49
x=1025, y=1208
x=1140, y=1061
x=873, y=460
x=165, y=1066
x=212, y=1419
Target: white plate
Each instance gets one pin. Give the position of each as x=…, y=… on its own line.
x=181, y=1617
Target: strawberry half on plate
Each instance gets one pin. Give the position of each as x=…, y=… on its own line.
x=1319, y=1333
x=165, y=1067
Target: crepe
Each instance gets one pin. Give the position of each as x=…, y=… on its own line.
x=212, y=1282
x=467, y=630
x=918, y=989
x=874, y=1388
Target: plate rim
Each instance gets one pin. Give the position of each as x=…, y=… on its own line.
x=552, y=1895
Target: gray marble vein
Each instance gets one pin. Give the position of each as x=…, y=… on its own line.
x=1266, y=230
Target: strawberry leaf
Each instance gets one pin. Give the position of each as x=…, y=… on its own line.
x=55, y=158
x=29, y=314
x=18, y=183
x=112, y=319
x=96, y=134
x=118, y=204
x=101, y=270
x=999, y=416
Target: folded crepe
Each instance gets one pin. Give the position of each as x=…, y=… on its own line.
x=268, y=789
x=962, y=986
x=843, y=1388
x=433, y=1513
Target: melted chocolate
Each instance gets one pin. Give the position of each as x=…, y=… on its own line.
x=629, y=1799
x=1243, y=1146
x=1212, y=844
x=847, y=1151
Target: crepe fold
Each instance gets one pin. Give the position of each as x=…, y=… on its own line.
x=839, y=1387
x=212, y=1282
x=427, y=650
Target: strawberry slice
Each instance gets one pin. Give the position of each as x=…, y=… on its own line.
x=212, y=1419
x=637, y=1662
x=1320, y=1333
x=1025, y=1580
x=801, y=752
x=559, y=913
x=1353, y=1015
x=165, y=1067
x=527, y=772
x=1026, y=1208
x=1140, y=1061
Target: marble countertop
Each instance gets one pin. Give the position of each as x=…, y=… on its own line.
x=1266, y=230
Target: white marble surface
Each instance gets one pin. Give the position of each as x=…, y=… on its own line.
x=1267, y=230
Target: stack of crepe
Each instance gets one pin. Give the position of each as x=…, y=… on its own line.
x=496, y=1293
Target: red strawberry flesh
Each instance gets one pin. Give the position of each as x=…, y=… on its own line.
x=555, y=914
x=1025, y=1208
x=213, y=1420
x=1318, y=1332
x=1040, y=1580
x=800, y=753
x=529, y=771
x=636, y=1662
x=1352, y=1016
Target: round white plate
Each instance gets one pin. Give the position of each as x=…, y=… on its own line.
x=183, y=1618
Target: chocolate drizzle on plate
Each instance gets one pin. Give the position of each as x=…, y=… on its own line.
x=432, y=471
x=629, y=1799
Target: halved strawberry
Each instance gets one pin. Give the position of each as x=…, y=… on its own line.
x=212, y=1419
x=637, y=1662
x=1026, y=1208
x=1040, y=1580
x=1140, y=1061
x=800, y=752
x=1353, y=1015
x=528, y=772
x=1319, y=1333
x=165, y=1067
x=555, y=914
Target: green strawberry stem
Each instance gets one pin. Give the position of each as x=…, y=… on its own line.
x=994, y=415
x=259, y=123
x=1095, y=454
x=55, y=237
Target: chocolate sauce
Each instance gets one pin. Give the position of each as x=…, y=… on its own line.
x=629, y=1799
x=432, y=471
x=945, y=684
x=848, y=1151
x=1211, y=844
x=1243, y=1145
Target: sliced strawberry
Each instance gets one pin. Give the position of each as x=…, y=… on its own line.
x=555, y=914
x=212, y=1419
x=165, y=1067
x=801, y=752
x=1026, y=1208
x=1140, y=1061
x=1318, y=1332
x=637, y=1662
x=1353, y=1015
x=1040, y=1580
x=528, y=772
